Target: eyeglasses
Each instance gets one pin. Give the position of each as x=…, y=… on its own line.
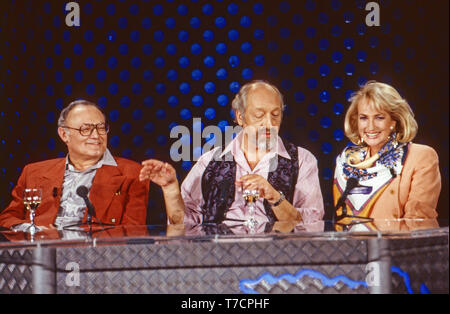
x=87, y=129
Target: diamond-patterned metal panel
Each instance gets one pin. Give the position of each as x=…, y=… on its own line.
x=220, y=266
x=202, y=280
x=424, y=260
x=201, y=267
x=15, y=273
x=307, y=284
x=293, y=252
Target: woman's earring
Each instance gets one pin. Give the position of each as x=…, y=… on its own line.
x=394, y=139
x=361, y=141
x=393, y=136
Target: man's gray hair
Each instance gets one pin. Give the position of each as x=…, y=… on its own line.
x=65, y=112
x=239, y=102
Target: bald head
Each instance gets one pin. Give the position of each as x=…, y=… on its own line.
x=240, y=101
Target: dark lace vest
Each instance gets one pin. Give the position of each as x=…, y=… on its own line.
x=218, y=186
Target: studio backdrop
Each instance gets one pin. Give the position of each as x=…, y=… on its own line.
x=154, y=65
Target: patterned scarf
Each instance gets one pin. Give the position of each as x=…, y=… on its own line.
x=373, y=175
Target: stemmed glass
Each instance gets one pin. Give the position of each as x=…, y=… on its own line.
x=31, y=199
x=250, y=197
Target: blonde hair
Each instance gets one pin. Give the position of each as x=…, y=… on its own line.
x=384, y=98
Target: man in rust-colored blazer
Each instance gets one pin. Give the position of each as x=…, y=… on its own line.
x=119, y=198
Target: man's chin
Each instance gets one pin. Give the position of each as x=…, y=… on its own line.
x=95, y=153
x=267, y=144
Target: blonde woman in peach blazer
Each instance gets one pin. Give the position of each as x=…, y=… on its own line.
x=395, y=177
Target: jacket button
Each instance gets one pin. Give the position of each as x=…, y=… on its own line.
x=113, y=220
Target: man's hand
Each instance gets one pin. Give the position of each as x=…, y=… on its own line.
x=256, y=182
x=284, y=211
x=165, y=176
x=162, y=173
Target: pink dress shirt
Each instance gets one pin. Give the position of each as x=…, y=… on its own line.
x=307, y=197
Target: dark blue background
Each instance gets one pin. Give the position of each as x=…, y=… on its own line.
x=155, y=64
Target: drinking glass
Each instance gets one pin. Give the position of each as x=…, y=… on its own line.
x=250, y=198
x=32, y=199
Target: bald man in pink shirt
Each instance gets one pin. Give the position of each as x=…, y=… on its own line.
x=284, y=176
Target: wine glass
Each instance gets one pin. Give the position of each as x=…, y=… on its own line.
x=250, y=198
x=32, y=199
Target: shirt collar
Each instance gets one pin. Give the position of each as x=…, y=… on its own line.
x=235, y=147
x=107, y=160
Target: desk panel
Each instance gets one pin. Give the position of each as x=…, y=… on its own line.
x=414, y=261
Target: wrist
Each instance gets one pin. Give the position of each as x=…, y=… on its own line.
x=171, y=187
x=278, y=200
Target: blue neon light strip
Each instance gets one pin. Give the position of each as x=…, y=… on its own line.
x=423, y=288
x=270, y=279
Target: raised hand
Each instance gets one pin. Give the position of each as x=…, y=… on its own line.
x=161, y=173
x=164, y=175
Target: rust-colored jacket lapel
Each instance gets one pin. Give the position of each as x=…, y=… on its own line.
x=50, y=179
x=55, y=173
x=106, y=184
